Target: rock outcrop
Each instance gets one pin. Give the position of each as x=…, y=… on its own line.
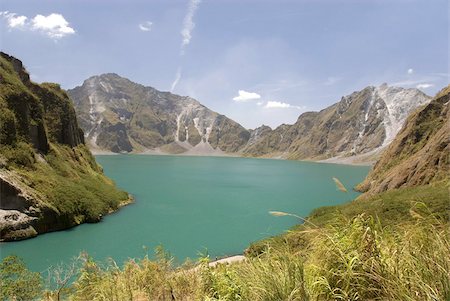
x=419, y=154
x=48, y=178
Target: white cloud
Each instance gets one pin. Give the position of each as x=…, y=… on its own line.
x=13, y=20
x=146, y=26
x=424, y=86
x=188, y=24
x=177, y=79
x=280, y=105
x=410, y=71
x=54, y=25
x=246, y=96
x=259, y=103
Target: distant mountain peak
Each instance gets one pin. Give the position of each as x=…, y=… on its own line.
x=122, y=116
x=361, y=122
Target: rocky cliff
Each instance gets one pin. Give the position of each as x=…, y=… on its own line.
x=48, y=178
x=419, y=155
x=363, y=122
x=121, y=116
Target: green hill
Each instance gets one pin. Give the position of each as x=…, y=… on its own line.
x=49, y=179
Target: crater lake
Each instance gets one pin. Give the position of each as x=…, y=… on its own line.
x=193, y=205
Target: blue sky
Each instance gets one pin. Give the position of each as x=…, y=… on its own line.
x=258, y=62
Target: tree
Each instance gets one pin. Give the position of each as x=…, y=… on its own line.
x=17, y=282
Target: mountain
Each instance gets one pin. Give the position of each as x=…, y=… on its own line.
x=121, y=116
x=363, y=122
x=419, y=155
x=48, y=178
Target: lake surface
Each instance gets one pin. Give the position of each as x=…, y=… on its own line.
x=193, y=204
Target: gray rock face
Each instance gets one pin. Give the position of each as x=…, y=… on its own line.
x=121, y=116
x=361, y=122
x=15, y=225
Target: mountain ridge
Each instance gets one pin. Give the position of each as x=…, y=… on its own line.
x=162, y=122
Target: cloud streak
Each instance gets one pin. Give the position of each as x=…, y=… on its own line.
x=281, y=105
x=246, y=96
x=186, y=34
x=146, y=26
x=188, y=24
x=176, y=80
x=424, y=86
x=54, y=25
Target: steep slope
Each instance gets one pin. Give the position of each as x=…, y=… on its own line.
x=48, y=178
x=419, y=155
x=361, y=122
x=122, y=116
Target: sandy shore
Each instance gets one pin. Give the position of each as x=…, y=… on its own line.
x=227, y=260
x=367, y=159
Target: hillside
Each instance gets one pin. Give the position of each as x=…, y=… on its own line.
x=363, y=122
x=122, y=116
x=419, y=155
x=49, y=180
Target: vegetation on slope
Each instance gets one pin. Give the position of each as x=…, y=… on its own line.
x=420, y=152
x=48, y=177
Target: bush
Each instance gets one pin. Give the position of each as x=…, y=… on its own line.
x=17, y=282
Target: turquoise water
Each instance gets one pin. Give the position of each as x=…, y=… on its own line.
x=193, y=204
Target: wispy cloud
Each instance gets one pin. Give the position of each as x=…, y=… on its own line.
x=54, y=25
x=188, y=24
x=176, y=80
x=146, y=26
x=415, y=82
x=246, y=96
x=281, y=105
x=13, y=20
x=186, y=33
x=332, y=80
x=280, y=85
x=424, y=86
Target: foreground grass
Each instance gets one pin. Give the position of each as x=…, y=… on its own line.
x=348, y=255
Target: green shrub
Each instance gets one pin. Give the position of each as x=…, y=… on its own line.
x=17, y=282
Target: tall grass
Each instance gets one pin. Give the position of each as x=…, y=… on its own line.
x=348, y=258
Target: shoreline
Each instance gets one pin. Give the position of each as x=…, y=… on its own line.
x=128, y=201
x=227, y=260
x=352, y=161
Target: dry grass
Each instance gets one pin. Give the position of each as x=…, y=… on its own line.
x=349, y=259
